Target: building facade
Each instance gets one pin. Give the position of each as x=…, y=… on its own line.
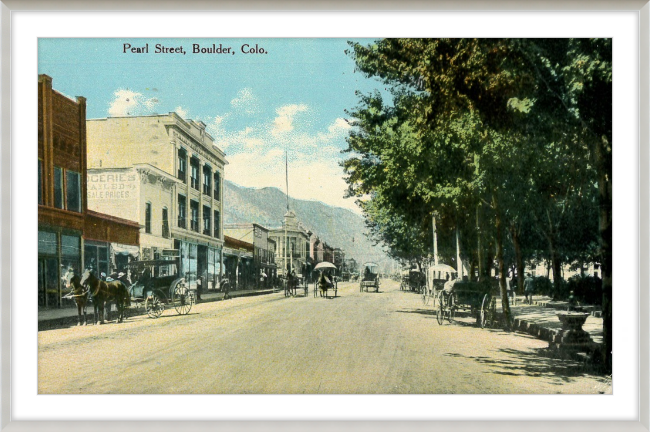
x=178, y=172
x=292, y=246
x=68, y=233
x=264, y=267
x=238, y=263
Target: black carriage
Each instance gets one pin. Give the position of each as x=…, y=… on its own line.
x=157, y=284
x=369, y=278
x=412, y=280
x=476, y=297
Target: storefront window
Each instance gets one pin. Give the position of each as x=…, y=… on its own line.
x=96, y=257
x=47, y=243
x=73, y=191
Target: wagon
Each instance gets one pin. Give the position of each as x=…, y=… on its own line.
x=158, y=284
x=369, y=278
x=475, y=297
x=437, y=276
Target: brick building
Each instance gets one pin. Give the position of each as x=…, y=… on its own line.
x=63, y=217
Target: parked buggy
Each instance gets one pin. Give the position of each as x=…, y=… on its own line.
x=158, y=284
x=369, y=278
x=295, y=284
x=476, y=297
x=412, y=280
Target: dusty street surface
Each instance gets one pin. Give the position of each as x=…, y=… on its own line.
x=385, y=342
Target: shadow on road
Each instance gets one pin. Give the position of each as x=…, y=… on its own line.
x=540, y=362
x=428, y=312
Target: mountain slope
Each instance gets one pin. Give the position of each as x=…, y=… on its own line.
x=338, y=227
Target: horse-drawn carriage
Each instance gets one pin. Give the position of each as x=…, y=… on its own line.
x=477, y=297
x=369, y=278
x=158, y=284
x=412, y=280
x=293, y=284
x=325, y=281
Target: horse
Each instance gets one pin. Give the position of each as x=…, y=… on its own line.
x=103, y=292
x=78, y=293
x=324, y=284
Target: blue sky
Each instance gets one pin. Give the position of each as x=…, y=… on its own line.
x=255, y=105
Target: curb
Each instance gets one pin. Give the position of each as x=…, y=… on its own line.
x=554, y=337
x=71, y=321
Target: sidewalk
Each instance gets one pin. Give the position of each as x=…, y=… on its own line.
x=67, y=316
x=540, y=320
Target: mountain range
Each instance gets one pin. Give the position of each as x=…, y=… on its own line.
x=338, y=227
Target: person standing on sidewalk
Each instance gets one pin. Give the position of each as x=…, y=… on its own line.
x=528, y=289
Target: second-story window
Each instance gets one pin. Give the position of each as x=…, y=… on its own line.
x=182, y=165
x=194, y=215
x=194, y=173
x=206, y=220
x=58, y=187
x=147, y=218
x=217, y=185
x=73, y=191
x=182, y=211
x=165, y=223
x=207, y=183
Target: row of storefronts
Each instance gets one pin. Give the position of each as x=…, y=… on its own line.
x=141, y=188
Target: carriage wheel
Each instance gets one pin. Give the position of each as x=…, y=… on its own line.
x=183, y=299
x=153, y=306
x=441, y=309
x=485, y=314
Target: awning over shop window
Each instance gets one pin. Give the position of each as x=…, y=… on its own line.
x=122, y=249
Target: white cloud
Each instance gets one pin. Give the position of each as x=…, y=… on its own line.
x=256, y=154
x=283, y=123
x=181, y=111
x=245, y=101
x=310, y=178
x=128, y=102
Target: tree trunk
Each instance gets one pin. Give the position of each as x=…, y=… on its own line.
x=519, y=261
x=555, y=265
x=505, y=305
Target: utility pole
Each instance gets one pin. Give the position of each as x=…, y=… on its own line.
x=458, y=260
x=435, y=240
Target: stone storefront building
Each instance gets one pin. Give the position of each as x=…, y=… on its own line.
x=178, y=172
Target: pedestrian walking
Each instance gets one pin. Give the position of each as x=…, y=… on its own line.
x=528, y=289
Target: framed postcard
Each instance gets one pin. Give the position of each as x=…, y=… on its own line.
x=341, y=215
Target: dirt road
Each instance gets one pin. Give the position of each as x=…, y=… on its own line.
x=362, y=343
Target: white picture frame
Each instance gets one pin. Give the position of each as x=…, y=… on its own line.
x=7, y=172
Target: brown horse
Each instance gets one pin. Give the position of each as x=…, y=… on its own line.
x=102, y=292
x=77, y=293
